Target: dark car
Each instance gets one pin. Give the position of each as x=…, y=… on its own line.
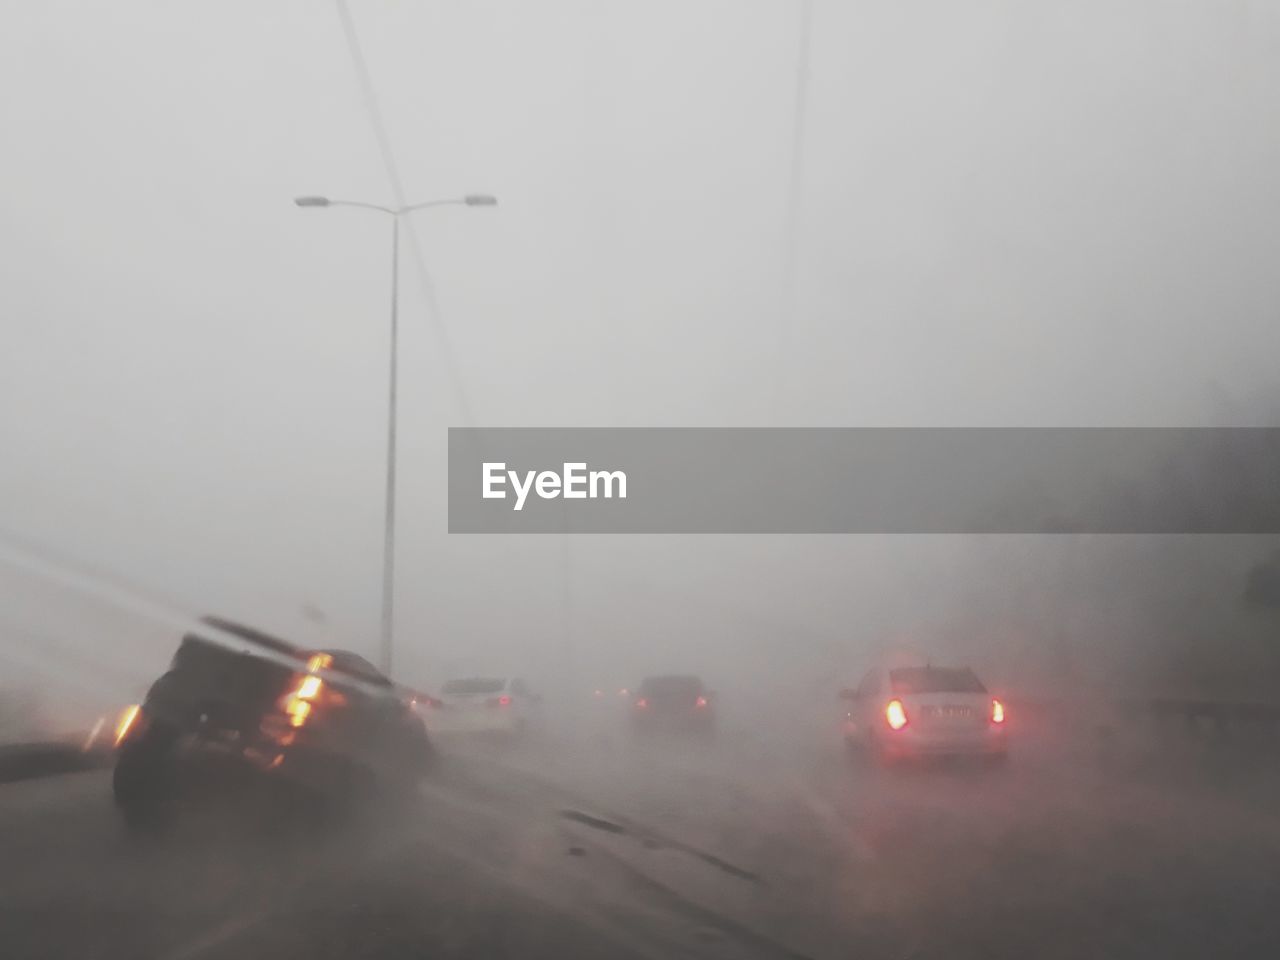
x=674, y=704
x=241, y=706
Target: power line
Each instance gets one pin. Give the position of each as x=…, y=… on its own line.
x=425, y=282
x=795, y=199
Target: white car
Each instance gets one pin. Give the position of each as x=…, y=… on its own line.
x=898, y=713
x=484, y=705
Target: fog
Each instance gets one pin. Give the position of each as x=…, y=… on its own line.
x=931, y=214
x=1003, y=216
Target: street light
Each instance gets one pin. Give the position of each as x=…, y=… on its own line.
x=388, y=541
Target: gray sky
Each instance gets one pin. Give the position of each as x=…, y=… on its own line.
x=1012, y=213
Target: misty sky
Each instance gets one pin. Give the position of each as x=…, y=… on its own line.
x=1011, y=213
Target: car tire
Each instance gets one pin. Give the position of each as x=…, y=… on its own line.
x=143, y=781
x=880, y=758
x=855, y=752
x=421, y=754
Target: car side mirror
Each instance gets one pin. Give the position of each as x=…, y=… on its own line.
x=848, y=693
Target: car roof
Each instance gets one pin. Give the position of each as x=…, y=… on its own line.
x=682, y=678
x=346, y=661
x=478, y=678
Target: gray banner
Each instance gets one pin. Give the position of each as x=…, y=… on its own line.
x=671, y=480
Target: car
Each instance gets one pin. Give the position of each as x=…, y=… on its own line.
x=488, y=705
x=241, y=706
x=897, y=713
x=673, y=703
x=606, y=693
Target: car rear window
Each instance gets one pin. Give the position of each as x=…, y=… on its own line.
x=474, y=685
x=198, y=653
x=934, y=680
x=356, y=666
x=209, y=669
x=660, y=687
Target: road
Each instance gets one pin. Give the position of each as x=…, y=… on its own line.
x=766, y=843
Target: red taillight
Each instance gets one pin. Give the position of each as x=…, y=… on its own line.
x=297, y=704
x=997, y=711
x=502, y=701
x=700, y=702
x=642, y=703
x=895, y=714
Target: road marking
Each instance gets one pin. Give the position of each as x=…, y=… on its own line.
x=224, y=932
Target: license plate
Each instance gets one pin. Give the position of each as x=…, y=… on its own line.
x=216, y=741
x=950, y=712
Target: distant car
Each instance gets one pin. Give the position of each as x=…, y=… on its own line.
x=496, y=705
x=904, y=712
x=241, y=705
x=610, y=696
x=672, y=704
x=608, y=692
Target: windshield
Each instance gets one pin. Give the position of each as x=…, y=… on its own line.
x=671, y=687
x=654, y=480
x=474, y=686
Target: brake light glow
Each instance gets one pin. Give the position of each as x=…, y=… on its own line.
x=700, y=702
x=309, y=687
x=504, y=701
x=298, y=711
x=895, y=715
x=298, y=703
x=997, y=711
x=125, y=722
x=642, y=703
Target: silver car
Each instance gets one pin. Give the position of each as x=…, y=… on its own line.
x=897, y=713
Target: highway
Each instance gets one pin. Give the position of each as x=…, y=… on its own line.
x=768, y=842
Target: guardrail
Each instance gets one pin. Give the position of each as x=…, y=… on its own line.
x=1221, y=715
x=28, y=761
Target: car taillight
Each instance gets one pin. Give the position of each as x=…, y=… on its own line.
x=997, y=711
x=642, y=703
x=502, y=701
x=895, y=714
x=700, y=702
x=124, y=723
x=297, y=704
x=308, y=689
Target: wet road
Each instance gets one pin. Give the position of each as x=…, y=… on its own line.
x=597, y=846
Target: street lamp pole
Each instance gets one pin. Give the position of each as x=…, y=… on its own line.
x=389, y=530
x=387, y=633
